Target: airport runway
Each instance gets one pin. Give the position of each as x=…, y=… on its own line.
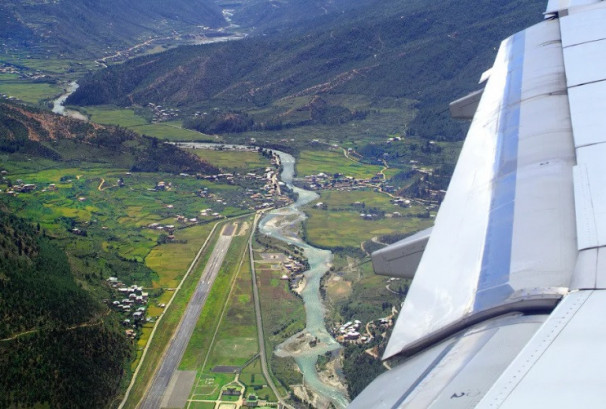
x=171, y=359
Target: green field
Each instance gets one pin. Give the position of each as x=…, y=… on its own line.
x=331, y=162
x=341, y=225
x=171, y=132
x=129, y=118
x=347, y=229
x=283, y=314
x=201, y=405
x=233, y=160
x=357, y=198
x=67, y=69
x=173, y=259
x=110, y=115
x=252, y=377
x=31, y=92
x=238, y=318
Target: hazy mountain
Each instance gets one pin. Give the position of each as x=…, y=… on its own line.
x=266, y=16
x=87, y=28
x=431, y=54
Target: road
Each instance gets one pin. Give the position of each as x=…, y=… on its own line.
x=171, y=358
x=260, y=335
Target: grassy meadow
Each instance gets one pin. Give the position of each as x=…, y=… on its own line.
x=233, y=160
x=32, y=92
x=331, y=162
x=340, y=225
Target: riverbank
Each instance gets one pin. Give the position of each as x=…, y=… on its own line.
x=305, y=346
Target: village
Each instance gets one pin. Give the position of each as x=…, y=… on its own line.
x=131, y=302
x=338, y=181
x=163, y=114
x=355, y=332
x=22, y=73
x=263, y=190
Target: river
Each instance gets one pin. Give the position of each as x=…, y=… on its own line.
x=282, y=224
x=58, y=107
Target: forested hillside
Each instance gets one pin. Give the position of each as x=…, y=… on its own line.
x=39, y=133
x=430, y=54
x=82, y=28
x=57, y=346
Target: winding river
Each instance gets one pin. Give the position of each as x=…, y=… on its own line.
x=58, y=107
x=282, y=224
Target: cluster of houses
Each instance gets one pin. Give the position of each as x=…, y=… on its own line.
x=369, y=216
x=161, y=114
x=271, y=194
x=400, y=201
x=339, y=181
x=350, y=332
x=168, y=228
x=209, y=212
x=22, y=73
x=162, y=186
x=21, y=188
x=132, y=302
x=293, y=268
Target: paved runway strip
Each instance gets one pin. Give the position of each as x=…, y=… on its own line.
x=155, y=393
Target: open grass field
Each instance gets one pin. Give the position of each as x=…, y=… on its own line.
x=172, y=132
x=233, y=160
x=208, y=385
x=331, y=162
x=210, y=318
x=236, y=340
x=31, y=92
x=332, y=229
x=252, y=377
x=58, y=67
x=110, y=115
x=357, y=199
x=173, y=259
x=201, y=405
x=341, y=225
x=282, y=311
x=128, y=118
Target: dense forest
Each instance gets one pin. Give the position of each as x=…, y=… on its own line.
x=54, y=337
x=30, y=131
x=431, y=55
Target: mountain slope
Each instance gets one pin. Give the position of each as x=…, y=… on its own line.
x=56, y=346
x=431, y=54
x=87, y=28
x=47, y=135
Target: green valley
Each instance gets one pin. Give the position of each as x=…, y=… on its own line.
x=107, y=225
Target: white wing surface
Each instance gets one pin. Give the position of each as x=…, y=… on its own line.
x=522, y=229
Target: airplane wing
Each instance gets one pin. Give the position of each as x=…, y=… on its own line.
x=507, y=307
